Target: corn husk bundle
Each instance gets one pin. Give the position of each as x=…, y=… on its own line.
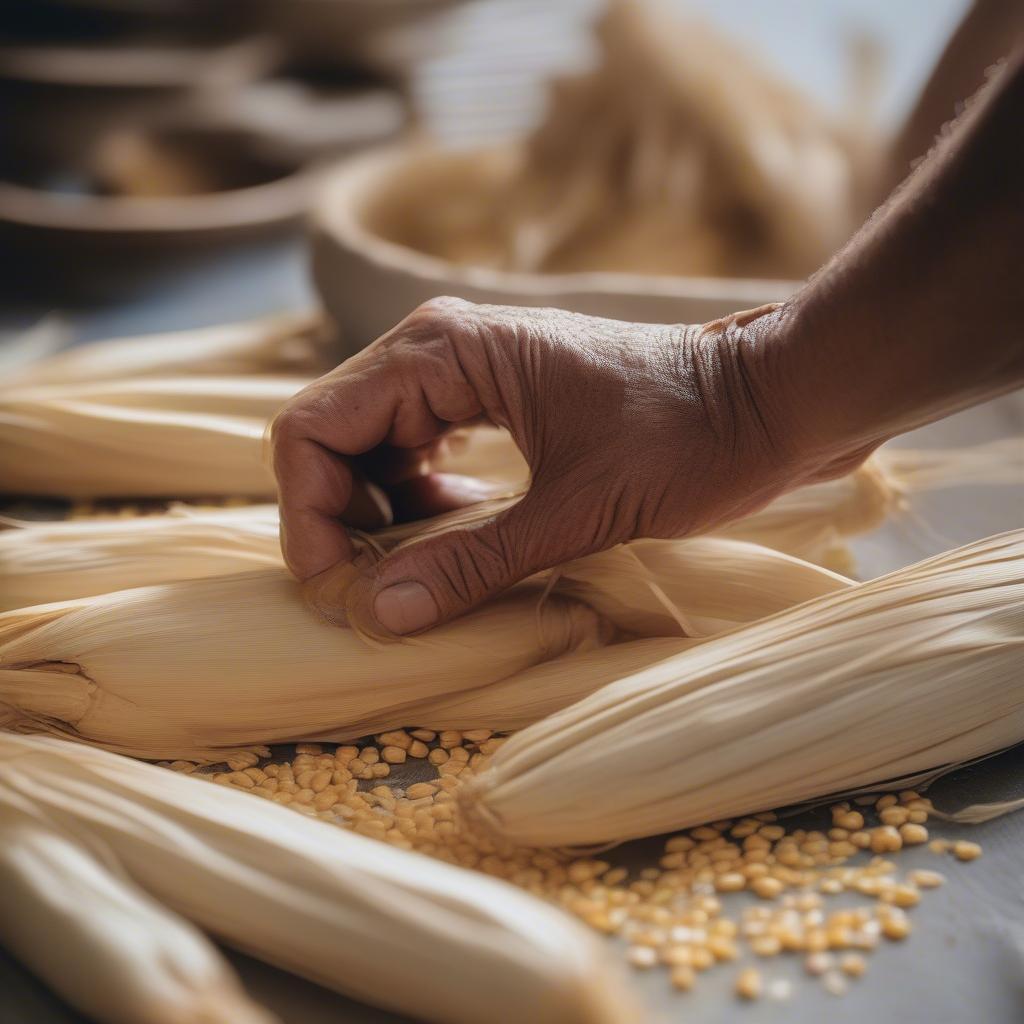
x=289, y=343
x=258, y=668
x=192, y=669
x=813, y=523
x=99, y=940
x=679, y=153
x=199, y=668
x=55, y=561
x=387, y=926
x=916, y=670
x=162, y=437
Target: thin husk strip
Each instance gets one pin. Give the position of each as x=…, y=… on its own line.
x=258, y=396
x=158, y=437
x=284, y=343
x=931, y=469
x=912, y=671
x=71, y=915
x=694, y=588
x=387, y=926
x=45, y=562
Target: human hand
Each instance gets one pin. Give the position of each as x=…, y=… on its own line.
x=630, y=430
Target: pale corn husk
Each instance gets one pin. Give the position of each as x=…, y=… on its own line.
x=258, y=396
x=285, y=343
x=154, y=437
x=199, y=668
x=45, y=562
x=692, y=588
x=909, y=672
x=811, y=523
x=70, y=915
x=258, y=668
x=816, y=521
x=387, y=926
x=932, y=469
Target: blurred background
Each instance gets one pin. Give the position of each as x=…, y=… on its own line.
x=161, y=159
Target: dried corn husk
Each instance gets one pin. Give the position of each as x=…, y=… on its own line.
x=692, y=588
x=153, y=437
x=198, y=668
x=259, y=396
x=112, y=669
x=913, y=671
x=258, y=668
x=390, y=927
x=812, y=523
x=102, y=943
x=45, y=562
x=281, y=344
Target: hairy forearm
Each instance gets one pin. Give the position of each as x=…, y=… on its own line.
x=920, y=315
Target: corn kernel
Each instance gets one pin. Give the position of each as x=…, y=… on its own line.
x=748, y=984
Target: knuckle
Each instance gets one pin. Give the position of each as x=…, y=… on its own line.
x=294, y=423
x=442, y=303
x=284, y=426
x=441, y=314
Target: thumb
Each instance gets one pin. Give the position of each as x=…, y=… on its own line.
x=440, y=578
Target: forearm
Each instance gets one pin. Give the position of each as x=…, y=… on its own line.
x=920, y=315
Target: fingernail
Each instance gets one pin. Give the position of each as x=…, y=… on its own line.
x=405, y=608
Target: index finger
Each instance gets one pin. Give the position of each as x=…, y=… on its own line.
x=311, y=439
x=405, y=390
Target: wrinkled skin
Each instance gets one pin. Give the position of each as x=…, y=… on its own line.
x=641, y=430
x=630, y=430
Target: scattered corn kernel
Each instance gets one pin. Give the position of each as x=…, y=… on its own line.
x=963, y=849
x=749, y=984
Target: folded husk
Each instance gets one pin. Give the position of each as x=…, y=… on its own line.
x=390, y=927
x=912, y=671
x=72, y=917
